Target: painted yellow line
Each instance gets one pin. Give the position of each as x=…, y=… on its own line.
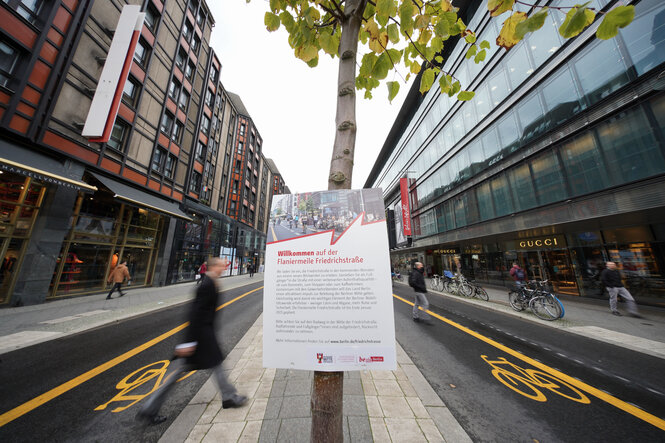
x=36, y=402
x=633, y=410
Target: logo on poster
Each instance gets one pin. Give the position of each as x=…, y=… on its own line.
x=323, y=358
x=372, y=359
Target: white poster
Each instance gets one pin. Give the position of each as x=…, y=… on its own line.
x=327, y=301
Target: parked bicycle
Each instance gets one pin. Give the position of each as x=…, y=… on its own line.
x=477, y=291
x=395, y=275
x=436, y=282
x=537, y=298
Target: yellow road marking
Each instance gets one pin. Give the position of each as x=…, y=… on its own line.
x=71, y=384
x=633, y=410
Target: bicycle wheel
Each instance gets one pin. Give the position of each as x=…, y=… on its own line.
x=519, y=384
x=446, y=286
x=516, y=301
x=481, y=293
x=557, y=386
x=545, y=307
x=466, y=289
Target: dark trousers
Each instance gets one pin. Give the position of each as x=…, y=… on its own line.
x=116, y=286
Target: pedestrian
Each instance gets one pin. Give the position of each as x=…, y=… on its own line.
x=117, y=276
x=202, y=272
x=201, y=351
x=251, y=270
x=611, y=278
x=518, y=274
x=417, y=282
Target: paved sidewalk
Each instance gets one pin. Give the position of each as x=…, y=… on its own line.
x=588, y=317
x=379, y=406
x=28, y=325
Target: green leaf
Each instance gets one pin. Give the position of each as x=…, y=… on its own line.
x=498, y=7
x=422, y=21
x=455, y=89
x=406, y=13
x=465, y=95
x=442, y=28
x=287, y=21
x=576, y=20
x=438, y=59
x=275, y=5
x=470, y=37
x=480, y=56
x=313, y=62
x=393, y=89
x=271, y=21
x=329, y=43
x=471, y=51
x=307, y=52
x=619, y=17
x=367, y=64
x=385, y=8
x=531, y=24
x=381, y=67
x=484, y=44
x=395, y=55
x=393, y=33
x=427, y=80
x=445, y=83
x=507, y=37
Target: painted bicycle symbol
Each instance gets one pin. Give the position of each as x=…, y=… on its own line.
x=154, y=372
x=531, y=382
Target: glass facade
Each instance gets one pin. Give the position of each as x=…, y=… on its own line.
x=20, y=200
x=488, y=158
x=106, y=232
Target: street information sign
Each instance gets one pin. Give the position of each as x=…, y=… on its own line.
x=327, y=302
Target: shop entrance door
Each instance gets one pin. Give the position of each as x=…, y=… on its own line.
x=532, y=262
x=560, y=271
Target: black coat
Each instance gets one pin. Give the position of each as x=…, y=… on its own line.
x=611, y=278
x=417, y=280
x=202, y=327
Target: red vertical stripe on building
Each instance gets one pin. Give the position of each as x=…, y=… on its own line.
x=406, y=209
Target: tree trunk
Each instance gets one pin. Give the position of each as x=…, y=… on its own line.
x=327, y=392
x=341, y=165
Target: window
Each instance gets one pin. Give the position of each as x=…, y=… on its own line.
x=174, y=87
x=503, y=203
x=213, y=74
x=522, y=186
x=180, y=58
x=484, y=198
x=158, y=160
x=141, y=53
x=584, y=165
x=28, y=9
x=548, y=179
x=200, y=18
x=151, y=18
x=238, y=166
x=195, y=182
x=208, y=99
x=183, y=100
x=240, y=147
x=118, y=135
x=189, y=70
x=8, y=61
x=562, y=100
x=544, y=43
x=205, y=124
x=518, y=67
x=196, y=43
x=178, y=130
x=236, y=184
x=200, y=151
x=242, y=129
x=530, y=113
x=169, y=167
x=167, y=123
x=499, y=88
x=601, y=70
x=214, y=123
x=187, y=30
x=131, y=91
x=646, y=35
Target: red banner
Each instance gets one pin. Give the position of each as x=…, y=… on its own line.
x=406, y=209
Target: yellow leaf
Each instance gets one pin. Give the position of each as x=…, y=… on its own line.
x=446, y=6
x=379, y=44
x=373, y=28
x=415, y=68
x=508, y=37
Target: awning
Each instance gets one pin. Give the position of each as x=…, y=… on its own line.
x=43, y=176
x=140, y=198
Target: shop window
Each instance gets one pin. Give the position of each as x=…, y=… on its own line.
x=151, y=18
x=630, y=148
x=600, y=69
x=141, y=53
x=548, y=178
x=522, y=186
x=131, y=91
x=503, y=203
x=645, y=37
x=118, y=136
x=584, y=165
x=9, y=60
x=28, y=9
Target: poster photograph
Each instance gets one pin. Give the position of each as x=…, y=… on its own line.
x=328, y=295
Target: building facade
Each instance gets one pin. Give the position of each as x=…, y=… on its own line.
x=71, y=209
x=558, y=162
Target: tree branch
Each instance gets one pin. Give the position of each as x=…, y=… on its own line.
x=335, y=13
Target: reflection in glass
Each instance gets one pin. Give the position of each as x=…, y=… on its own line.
x=498, y=86
x=484, y=198
x=645, y=37
x=530, y=113
x=544, y=43
x=522, y=187
x=562, y=100
x=547, y=178
x=601, y=69
x=630, y=147
x=517, y=65
x=509, y=135
x=503, y=203
x=583, y=164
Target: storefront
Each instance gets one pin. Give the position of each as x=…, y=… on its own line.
x=115, y=224
x=571, y=261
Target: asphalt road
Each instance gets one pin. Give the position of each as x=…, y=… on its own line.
x=92, y=410
x=451, y=359
x=283, y=232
